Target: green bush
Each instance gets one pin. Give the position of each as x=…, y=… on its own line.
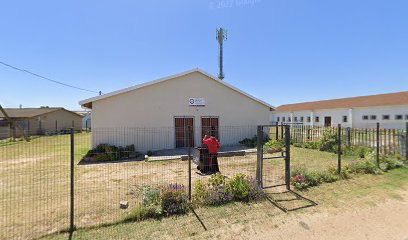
x=275, y=144
x=106, y=152
x=328, y=142
x=311, y=145
x=200, y=192
x=219, y=191
x=239, y=187
x=151, y=199
x=249, y=142
x=363, y=167
x=174, y=199
x=303, y=179
x=390, y=162
x=329, y=177
x=360, y=151
x=253, y=142
x=141, y=213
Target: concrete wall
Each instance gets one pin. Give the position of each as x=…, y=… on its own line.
x=154, y=107
x=354, y=116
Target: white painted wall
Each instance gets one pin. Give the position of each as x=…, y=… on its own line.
x=145, y=117
x=354, y=116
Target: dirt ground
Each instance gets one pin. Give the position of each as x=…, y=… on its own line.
x=385, y=221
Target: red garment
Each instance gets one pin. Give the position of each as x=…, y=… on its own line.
x=213, y=145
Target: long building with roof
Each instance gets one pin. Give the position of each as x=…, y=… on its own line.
x=390, y=110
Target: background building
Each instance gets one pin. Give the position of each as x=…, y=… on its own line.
x=154, y=115
x=390, y=110
x=38, y=121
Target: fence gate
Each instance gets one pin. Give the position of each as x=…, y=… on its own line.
x=273, y=159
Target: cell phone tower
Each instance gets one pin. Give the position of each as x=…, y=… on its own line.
x=221, y=37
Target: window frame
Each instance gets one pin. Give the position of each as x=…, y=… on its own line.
x=399, y=117
x=386, y=117
x=345, y=119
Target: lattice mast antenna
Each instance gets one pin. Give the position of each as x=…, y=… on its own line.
x=221, y=36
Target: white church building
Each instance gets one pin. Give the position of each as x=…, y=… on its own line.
x=390, y=110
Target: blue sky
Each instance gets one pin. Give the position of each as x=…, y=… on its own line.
x=282, y=51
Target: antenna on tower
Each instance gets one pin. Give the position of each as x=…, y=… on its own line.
x=221, y=36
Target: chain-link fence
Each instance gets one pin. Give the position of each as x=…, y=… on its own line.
x=62, y=181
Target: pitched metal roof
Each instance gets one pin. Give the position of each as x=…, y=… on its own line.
x=88, y=102
x=388, y=99
x=29, y=112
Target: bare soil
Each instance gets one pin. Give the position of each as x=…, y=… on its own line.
x=387, y=220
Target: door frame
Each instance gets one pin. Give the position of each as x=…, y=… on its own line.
x=327, y=117
x=218, y=127
x=175, y=130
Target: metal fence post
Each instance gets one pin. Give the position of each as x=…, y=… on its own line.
x=189, y=162
x=349, y=136
x=71, y=225
x=277, y=130
x=406, y=141
x=287, y=157
x=378, y=144
x=339, y=149
x=259, y=149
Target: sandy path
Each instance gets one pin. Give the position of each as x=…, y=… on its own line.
x=387, y=220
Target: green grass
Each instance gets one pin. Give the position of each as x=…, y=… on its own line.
x=34, y=190
x=364, y=190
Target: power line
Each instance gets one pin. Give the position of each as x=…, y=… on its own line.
x=49, y=79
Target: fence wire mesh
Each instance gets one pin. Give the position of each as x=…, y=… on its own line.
x=112, y=172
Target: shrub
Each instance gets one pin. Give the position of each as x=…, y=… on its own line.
x=106, y=152
x=313, y=178
x=174, y=199
x=249, y=142
x=141, y=213
x=102, y=157
x=328, y=142
x=299, y=182
x=360, y=151
x=239, y=187
x=216, y=191
x=200, y=192
x=311, y=145
x=253, y=142
x=302, y=178
x=276, y=145
x=149, y=153
x=329, y=177
x=151, y=199
x=389, y=163
x=255, y=191
x=365, y=167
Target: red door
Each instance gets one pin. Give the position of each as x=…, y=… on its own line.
x=209, y=126
x=184, y=138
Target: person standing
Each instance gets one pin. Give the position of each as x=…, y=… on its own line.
x=213, y=146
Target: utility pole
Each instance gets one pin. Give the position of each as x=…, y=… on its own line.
x=221, y=37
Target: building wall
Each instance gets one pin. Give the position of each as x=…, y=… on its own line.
x=354, y=116
x=155, y=106
x=65, y=119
